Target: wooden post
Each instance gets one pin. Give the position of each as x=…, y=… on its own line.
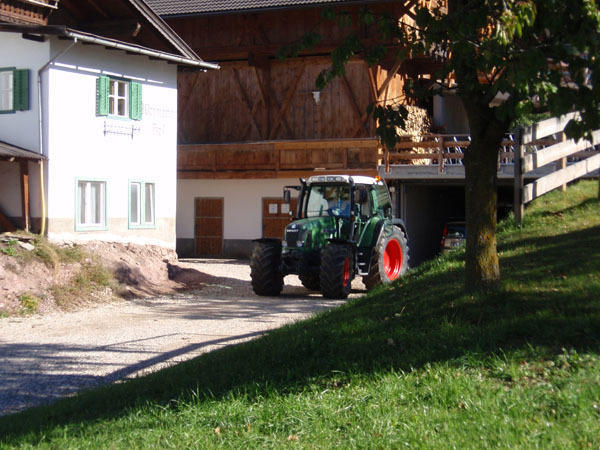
x=25, y=209
x=562, y=162
x=386, y=157
x=518, y=208
x=440, y=142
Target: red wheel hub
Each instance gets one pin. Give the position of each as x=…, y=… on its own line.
x=392, y=259
x=346, y=271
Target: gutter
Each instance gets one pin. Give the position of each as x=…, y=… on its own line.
x=41, y=129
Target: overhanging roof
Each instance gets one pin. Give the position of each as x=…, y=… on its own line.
x=62, y=31
x=8, y=151
x=192, y=7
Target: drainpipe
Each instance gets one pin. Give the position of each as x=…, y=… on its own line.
x=41, y=142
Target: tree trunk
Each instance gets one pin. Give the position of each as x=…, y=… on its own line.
x=482, y=268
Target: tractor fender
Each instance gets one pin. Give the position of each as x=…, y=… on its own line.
x=378, y=233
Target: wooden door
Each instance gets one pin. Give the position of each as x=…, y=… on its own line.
x=209, y=226
x=276, y=215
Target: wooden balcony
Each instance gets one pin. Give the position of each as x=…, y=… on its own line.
x=278, y=159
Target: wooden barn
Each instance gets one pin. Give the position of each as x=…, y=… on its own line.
x=259, y=122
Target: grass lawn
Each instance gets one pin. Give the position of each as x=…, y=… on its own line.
x=414, y=364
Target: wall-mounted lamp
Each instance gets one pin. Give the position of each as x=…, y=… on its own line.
x=316, y=96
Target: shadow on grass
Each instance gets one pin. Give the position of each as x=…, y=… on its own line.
x=425, y=318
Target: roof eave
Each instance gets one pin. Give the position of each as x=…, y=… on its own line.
x=62, y=31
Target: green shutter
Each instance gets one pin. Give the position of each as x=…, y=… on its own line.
x=102, y=89
x=21, y=89
x=135, y=100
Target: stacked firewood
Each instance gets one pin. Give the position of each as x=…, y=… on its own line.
x=416, y=125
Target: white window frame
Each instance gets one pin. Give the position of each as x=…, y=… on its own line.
x=141, y=204
x=114, y=98
x=86, y=219
x=7, y=93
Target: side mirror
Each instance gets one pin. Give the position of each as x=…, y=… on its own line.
x=287, y=196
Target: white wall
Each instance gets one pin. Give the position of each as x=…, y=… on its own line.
x=242, y=204
x=21, y=128
x=78, y=147
x=449, y=113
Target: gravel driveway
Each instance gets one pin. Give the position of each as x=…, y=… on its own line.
x=48, y=357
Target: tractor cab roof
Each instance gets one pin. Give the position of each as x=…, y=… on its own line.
x=344, y=179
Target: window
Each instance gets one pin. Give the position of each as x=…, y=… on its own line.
x=141, y=204
x=118, y=98
x=91, y=205
x=14, y=90
x=328, y=200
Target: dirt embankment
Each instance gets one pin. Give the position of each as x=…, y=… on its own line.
x=38, y=277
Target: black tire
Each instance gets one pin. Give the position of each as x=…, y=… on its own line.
x=387, y=268
x=337, y=270
x=265, y=268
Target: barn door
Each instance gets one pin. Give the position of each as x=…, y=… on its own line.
x=209, y=226
x=276, y=215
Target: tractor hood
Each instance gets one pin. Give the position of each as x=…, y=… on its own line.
x=311, y=233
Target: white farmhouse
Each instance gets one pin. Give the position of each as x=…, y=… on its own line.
x=88, y=120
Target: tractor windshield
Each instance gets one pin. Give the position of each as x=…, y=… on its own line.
x=328, y=200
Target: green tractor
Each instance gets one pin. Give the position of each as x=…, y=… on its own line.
x=343, y=227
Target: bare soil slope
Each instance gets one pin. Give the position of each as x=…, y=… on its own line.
x=30, y=281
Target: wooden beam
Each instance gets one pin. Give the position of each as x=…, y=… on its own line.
x=547, y=127
x=359, y=114
x=98, y=8
x=556, y=179
x=560, y=150
x=286, y=102
x=264, y=174
x=247, y=102
x=190, y=95
x=390, y=76
x=25, y=207
x=373, y=83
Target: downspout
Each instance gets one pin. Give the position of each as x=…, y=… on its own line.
x=41, y=137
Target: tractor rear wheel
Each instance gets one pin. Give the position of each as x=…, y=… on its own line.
x=389, y=261
x=265, y=268
x=336, y=271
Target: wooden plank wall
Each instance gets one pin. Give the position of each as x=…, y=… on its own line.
x=230, y=105
x=255, y=96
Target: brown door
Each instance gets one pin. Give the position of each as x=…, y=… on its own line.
x=209, y=226
x=276, y=215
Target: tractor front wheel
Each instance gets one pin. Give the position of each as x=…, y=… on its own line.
x=390, y=259
x=265, y=268
x=337, y=270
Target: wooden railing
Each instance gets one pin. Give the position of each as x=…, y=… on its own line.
x=583, y=155
x=446, y=149
x=269, y=159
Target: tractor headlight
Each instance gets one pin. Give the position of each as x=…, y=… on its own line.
x=329, y=232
